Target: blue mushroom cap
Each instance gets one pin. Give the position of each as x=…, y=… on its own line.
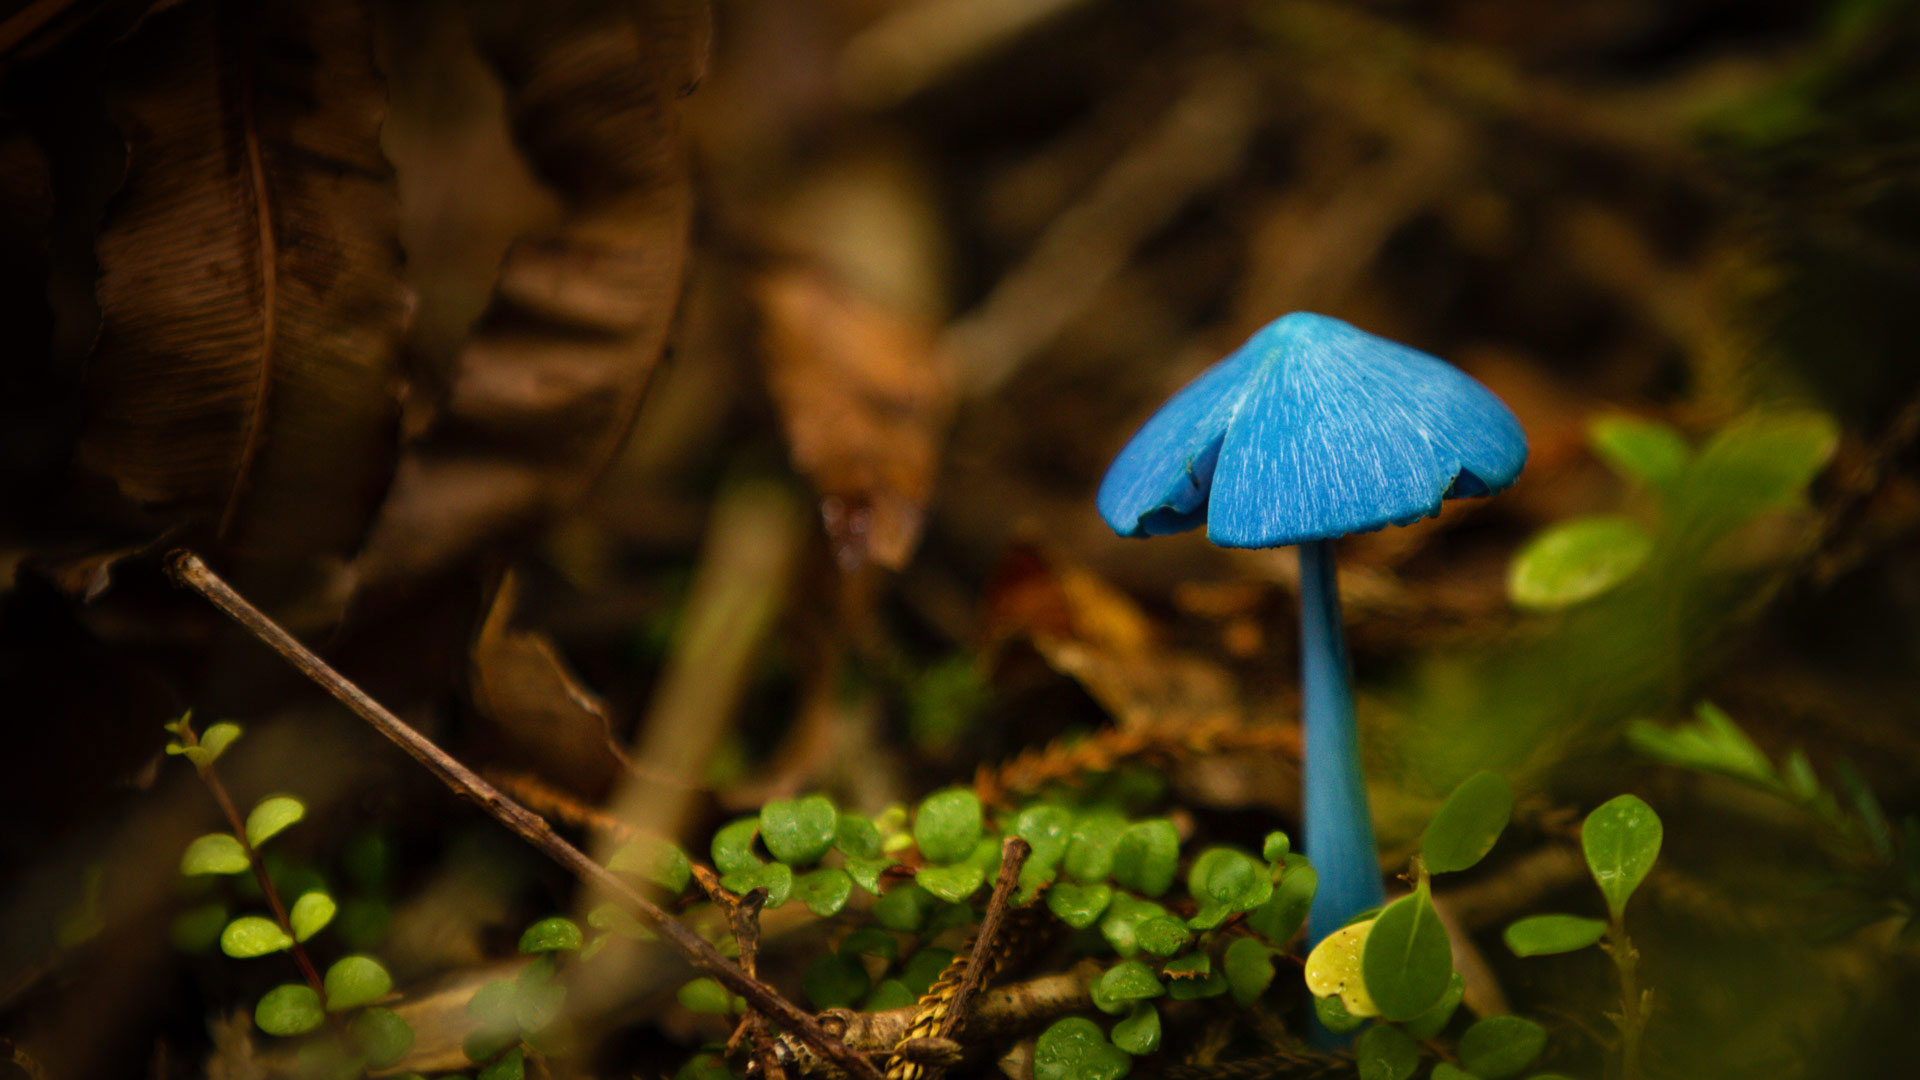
x=1311, y=430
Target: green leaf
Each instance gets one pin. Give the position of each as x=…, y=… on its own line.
x=733, y=846
x=1048, y=828
x=1226, y=881
x=866, y=872
x=1621, y=839
x=198, y=928
x=776, y=878
x=1162, y=935
x=1468, y=823
x=1248, y=966
x=1407, y=959
x=1125, y=983
x=1434, y=1018
x=1757, y=463
x=1147, y=856
x=537, y=997
x=621, y=921
x=924, y=968
x=251, y=935
x=555, y=934
x=290, y=1009
x=492, y=1008
x=1078, y=905
x=1544, y=935
x=512, y=1066
x=1500, y=1046
x=1139, y=1033
x=890, y=994
x=824, y=891
x=1333, y=1015
x=1276, y=847
x=1092, y=845
x=311, y=914
x=834, y=981
x=705, y=996
x=952, y=883
x=857, y=836
x=1282, y=916
x=1576, y=560
x=799, y=831
x=705, y=1067
x=1637, y=449
x=1866, y=808
x=1444, y=1071
x=214, y=853
x=272, y=815
x=1384, y=1052
x=1120, y=925
x=1191, y=978
x=363, y=922
x=382, y=1036
x=947, y=825
x=659, y=861
x=1074, y=1048
x=904, y=908
x=868, y=941
x=214, y=743
x=354, y=981
x=1712, y=743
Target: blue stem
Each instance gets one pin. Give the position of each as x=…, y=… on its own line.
x=1339, y=827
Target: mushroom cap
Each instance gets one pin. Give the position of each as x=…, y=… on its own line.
x=1312, y=430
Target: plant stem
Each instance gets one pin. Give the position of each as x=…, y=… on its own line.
x=1633, y=1001
x=1338, y=823
x=189, y=570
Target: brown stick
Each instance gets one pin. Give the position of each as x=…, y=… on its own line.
x=1013, y=856
x=189, y=570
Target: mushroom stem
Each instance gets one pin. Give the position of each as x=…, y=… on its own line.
x=1339, y=826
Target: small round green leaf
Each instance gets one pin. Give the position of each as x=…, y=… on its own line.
x=947, y=825
x=1621, y=839
x=1125, y=983
x=1444, y=1071
x=1048, y=828
x=1333, y=1015
x=382, y=1035
x=857, y=836
x=1248, y=966
x=1276, y=847
x=1384, y=1052
x=554, y=934
x=252, y=935
x=214, y=853
x=1225, y=881
x=1092, y=845
x=776, y=878
x=799, y=831
x=1468, y=823
x=733, y=846
x=311, y=914
x=198, y=928
x=1074, y=1048
x=1646, y=451
x=868, y=941
x=904, y=908
x=1544, y=935
x=1147, y=856
x=1124, y=916
x=866, y=872
x=1139, y=1033
x=214, y=742
x=1162, y=935
x=1408, y=959
x=511, y=1066
x=1500, y=1046
x=890, y=994
x=354, y=981
x=1286, y=911
x=834, y=981
x=705, y=996
x=1577, y=560
x=924, y=968
x=271, y=816
x=1078, y=905
x=659, y=861
x=952, y=883
x=824, y=891
x=290, y=1009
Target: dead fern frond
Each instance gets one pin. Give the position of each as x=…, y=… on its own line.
x=1069, y=761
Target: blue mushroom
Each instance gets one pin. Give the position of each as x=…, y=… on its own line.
x=1312, y=430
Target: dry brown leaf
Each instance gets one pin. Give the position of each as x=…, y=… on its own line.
x=547, y=720
x=865, y=399
x=1091, y=632
x=543, y=393
x=252, y=309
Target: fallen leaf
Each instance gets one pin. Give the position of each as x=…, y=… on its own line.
x=864, y=400
x=252, y=312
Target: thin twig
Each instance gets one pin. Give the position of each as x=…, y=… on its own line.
x=1013, y=856
x=189, y=570
x=743, y=916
